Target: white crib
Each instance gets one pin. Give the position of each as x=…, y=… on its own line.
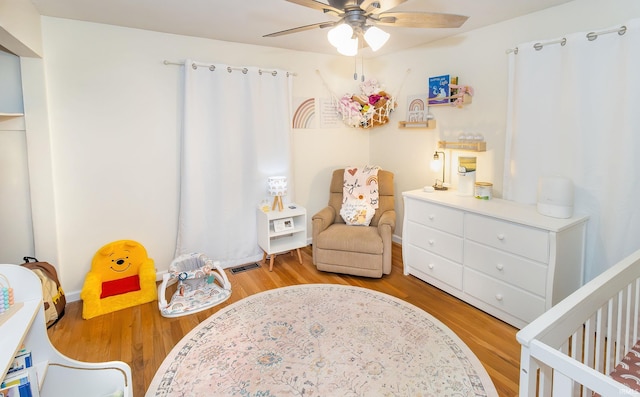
x=571, y=349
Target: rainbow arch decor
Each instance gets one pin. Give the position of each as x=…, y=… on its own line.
x=305, y=114
x=417, y=108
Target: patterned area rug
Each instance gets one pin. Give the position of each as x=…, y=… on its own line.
x=321, y=340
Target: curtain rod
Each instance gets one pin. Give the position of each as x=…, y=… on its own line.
x=590, y=36
x=230, y=69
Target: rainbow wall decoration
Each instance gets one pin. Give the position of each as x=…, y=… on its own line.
x=305, y=114
x=417, y=108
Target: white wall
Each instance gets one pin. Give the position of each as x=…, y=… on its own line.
x=113, y=118
x=478, y=58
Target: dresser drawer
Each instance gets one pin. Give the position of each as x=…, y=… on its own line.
x=507, y=298
x=518, y=239
x=434, y=266
x=435, y=216
x=436, y=241
x=522, y=273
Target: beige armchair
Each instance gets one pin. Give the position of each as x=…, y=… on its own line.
x=356, y=250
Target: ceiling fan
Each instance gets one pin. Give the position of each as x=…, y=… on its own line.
x=358, y=20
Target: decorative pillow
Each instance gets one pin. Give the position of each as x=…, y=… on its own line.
x=357, y=212
x=120, y=286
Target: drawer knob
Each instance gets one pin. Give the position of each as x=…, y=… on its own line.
x=500, y=266
x=431, y=266
x=432, y=217
x=500, y=236
x=499, y=297
x=431, y=241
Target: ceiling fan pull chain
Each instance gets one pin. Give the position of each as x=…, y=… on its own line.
x=362, y=68
x=355, y=68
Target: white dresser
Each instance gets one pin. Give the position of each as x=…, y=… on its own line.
x=502, y=257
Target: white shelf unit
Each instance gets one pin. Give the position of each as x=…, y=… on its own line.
x=500, y=256
x=57, y=374
x=274, y=242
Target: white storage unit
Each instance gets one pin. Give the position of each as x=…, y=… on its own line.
x=280, y=231
x=57, y=375
x=502, y=257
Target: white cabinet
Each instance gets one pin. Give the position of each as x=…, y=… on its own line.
x=502, y=257
x=280, y=231
x=15, y=208
x=57, y=374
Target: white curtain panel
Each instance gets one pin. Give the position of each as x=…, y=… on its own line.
x=574, y=111
x=236, y=133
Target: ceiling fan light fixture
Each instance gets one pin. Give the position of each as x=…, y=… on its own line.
x=340, y=34
x=349, y=47
x=376, y=37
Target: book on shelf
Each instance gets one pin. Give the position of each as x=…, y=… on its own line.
x=22, y=383
x=21, y=379
x=21, y=361
x=453, y=91
x=439, y=91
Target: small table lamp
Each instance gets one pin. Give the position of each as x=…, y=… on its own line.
x=435, y=165
x=277, y=188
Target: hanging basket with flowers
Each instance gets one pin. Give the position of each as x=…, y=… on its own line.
x=369, y=109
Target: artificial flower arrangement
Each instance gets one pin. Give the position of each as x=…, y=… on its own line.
x=370, y=109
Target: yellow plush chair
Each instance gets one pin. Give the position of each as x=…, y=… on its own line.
x=121, y=276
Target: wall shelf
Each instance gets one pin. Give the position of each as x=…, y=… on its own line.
x=419, y=125
x=480, y=146
x=466, y=99
x=11, y=114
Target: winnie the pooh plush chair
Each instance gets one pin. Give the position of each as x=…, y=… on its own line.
x=121, y=276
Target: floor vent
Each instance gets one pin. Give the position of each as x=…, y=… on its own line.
x=244, y=268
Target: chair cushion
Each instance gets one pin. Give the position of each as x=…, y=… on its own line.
x=120, y=286
x=342, y=237
x=357, y=212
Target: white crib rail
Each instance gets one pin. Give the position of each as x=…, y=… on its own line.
x=571, y=349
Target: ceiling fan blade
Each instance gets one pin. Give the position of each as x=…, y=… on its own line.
x=370, y=5
x=302, y=28
x=420, y=20
x=317, y=5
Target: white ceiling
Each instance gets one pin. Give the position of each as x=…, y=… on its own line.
x=246, y=21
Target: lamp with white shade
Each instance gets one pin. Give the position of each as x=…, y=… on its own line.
x=277, y=189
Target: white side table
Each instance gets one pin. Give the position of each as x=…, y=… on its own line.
x=280, y=231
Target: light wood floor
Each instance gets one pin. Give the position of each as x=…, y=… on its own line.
x=141, y=337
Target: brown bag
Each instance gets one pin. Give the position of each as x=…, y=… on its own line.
x=52, y=293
